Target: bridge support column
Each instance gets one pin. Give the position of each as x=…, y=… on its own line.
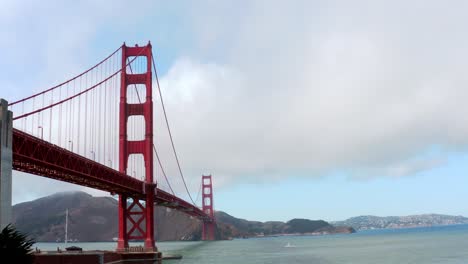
x=209, y=225
x=6, y=163
x=149, y=240
x=122, y=242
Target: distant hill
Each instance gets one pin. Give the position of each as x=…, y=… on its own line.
x=95, y=219
x=232, y=227
x=92, y=219
x=375, y=222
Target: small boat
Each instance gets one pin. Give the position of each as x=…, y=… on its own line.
x=74, y=248
x=289, y=245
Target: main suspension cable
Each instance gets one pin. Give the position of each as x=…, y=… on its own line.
x=169, y=130
x=71, y=97
x=198, y=193
x=67, y=81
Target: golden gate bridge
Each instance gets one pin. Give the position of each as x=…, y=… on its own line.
x=96, y=130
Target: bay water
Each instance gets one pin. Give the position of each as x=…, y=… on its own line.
x=445, y=244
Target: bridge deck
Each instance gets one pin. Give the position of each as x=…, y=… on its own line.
x=36, y=156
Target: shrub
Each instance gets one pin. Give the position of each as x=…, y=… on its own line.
x=15, y=246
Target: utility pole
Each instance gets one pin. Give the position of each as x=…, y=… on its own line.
x=66, y=227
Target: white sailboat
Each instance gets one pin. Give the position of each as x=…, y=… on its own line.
x=289, y=245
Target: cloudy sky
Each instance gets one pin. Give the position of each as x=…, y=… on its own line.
x=311, y=109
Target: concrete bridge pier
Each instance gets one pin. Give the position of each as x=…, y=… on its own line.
x=6, y=163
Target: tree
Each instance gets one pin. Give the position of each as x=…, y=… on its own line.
x=15, y=246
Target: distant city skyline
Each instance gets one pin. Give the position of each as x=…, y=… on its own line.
x=318, y=110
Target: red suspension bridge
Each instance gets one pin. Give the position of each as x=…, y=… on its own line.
x=96, y=130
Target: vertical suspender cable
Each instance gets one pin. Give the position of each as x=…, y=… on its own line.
x=154, y=147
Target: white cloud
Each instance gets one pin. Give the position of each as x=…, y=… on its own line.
x=314, y=89
x=276, y=89
x=400, y=169
x=46, y=43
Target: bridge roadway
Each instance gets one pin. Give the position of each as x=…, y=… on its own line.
x=36, y=156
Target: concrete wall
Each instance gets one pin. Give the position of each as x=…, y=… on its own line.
x=6, y=162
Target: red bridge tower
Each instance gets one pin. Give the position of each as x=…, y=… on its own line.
x=136, y=213
x=207, y=200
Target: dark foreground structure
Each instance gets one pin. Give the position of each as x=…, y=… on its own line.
x=99, y=257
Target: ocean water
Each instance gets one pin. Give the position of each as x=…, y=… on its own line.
x=448, y=244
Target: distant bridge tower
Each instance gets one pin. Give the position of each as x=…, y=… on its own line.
x=209, y=225
x=6, y=159
x=136, y=213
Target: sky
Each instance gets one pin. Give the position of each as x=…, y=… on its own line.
x=299, y=109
